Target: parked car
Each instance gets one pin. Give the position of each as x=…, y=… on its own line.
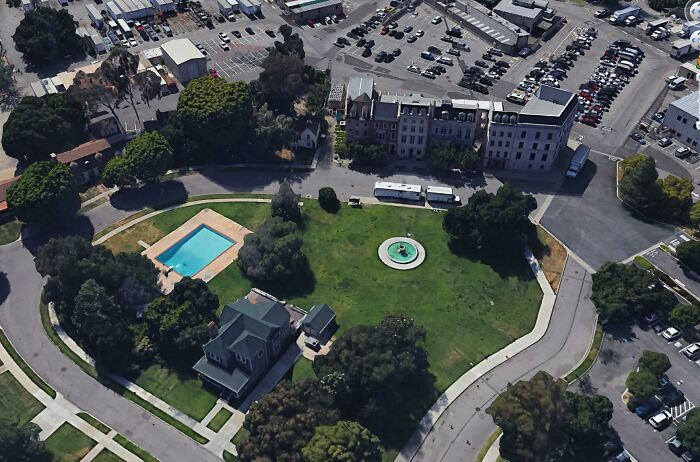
x=428, y=74
x=413, y=68
x=407, y=29
x=250, y=30
x=236, y=34
x=673, y=398
x=436, y=20
x=652, y=317
x=683, y=152
x=639, y=138
x=692, y=351
x=224, y=46
x=524, y=52
x=661, y=420
x=602, y=13
x=224, y=37
x=367, y=52
x=671, y=334
x=648, y=407
x=675, y=446
x=481, y=63
x=419, y=33
x=664, y=384
x=213, y=73
x=663, y=142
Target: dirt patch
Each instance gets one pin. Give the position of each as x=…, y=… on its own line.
x=552, y=259
x=128, y=240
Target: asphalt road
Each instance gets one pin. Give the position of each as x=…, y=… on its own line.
x=674, y=269
x=462, y=429
x=619, y=355
x=589, y=219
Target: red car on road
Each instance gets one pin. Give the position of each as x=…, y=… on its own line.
x=213, y=73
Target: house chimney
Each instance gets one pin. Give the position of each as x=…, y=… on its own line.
x=213, y=329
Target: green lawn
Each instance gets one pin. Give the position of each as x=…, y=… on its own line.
x=107, y=456
x=94, y=422
x=17, y=403
x=68, y=444
x=241, y=435
x=184, y=392
x=219, y=419
x=9, y=231
x=303, y=369
x=228, y=457
x=143, y=455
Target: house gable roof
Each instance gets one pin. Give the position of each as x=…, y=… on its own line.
x=319, y=318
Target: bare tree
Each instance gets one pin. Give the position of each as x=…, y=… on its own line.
x=148, y=83
x=92, y=90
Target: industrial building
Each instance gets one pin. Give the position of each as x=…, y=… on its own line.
x=304, y=10
x=682, y=120
x=184, y=59
x=407, y=125
x=163, y=6
x=524, y=13
x=129, y=10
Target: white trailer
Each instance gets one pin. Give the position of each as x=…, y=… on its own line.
x=225, y=7
x=621, y=15
x=235, y=7
x=114, y=11
x=94, y=14
x=689, y=27
x=681, y=48
x=383, y=189
x=441, y=194
x=246, y=7
x=256, y=5
x=98, y=43
x=578, y=161
x=125, y=28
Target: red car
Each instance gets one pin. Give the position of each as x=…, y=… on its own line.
x=384, y=31
x=309, y=23
x=213, y=73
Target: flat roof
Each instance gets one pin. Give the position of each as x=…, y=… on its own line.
x=507, y=6
x=681, y=43
x=397, y=186
x=480, y=17
x=357, y=86
x=688, y=103
x=438, y=190
x=181, y=50
x=317, y=4
x=547, y=101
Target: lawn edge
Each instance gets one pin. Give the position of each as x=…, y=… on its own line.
x=26, y=368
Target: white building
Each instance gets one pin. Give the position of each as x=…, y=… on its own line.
x=184, y=59
x=533, y=138
x=682, y=119
x=163, y=6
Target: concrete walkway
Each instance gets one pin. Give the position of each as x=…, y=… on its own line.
x=59, y=410
x=472, y=375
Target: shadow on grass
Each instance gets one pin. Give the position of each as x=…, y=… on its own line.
x=303, y=283
x=504, y=264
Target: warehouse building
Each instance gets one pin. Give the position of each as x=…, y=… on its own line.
x=184, y=59
x=163, y=6
x=524, y=13
x=682, y=120
x=304, y=10
x=492, y=28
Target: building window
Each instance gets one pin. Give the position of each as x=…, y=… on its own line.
x=518, y=155
x=393, y=136
x=546, y=147
x=685, y=120
x=420, y=129
x=443, y=130
x=413, y=121
x=507, y=144
x=544, y=157
x=521, y=145
x=537, y=135
x=260, y=354
x=491, y=143
x=403, y=150
x=450, y=131
x=510, y=134
x=534, y=145
x=549, y=136
x=459, y=133
x=498, y=154
x=412, y=140
x=420, y=140
x=384, y=125
x=522, y=134
x=413, y=129
x=532, y=156
x=679, y=117
x=502, y=133
x=490, y=153
x=500, y=143
x=403, y=138
x=505, y=155
x=405, y=120
x=403, y=129
x=376, y=125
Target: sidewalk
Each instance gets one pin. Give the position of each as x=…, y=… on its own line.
x=472, y=375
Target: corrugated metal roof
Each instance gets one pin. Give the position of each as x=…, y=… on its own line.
x=181, y=51
x=688, y=104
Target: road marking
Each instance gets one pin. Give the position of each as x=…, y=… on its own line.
x=679, y=411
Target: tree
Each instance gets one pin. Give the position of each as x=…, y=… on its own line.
x=282, y=421
x=343, y=442
x=543, y=422
x=46, y=35
x=641, y=383
x=44, y=195
x=273, y=132
x=273, y=254
x=281, y=80
x=328, y=200
x=685, y=316
x=621, y=292
x=93, y=90
x=689, y=254
x=676, y=198
x=177, y=322
x=285, y=204
x=372, y=370
x=499, y=222
x=628, y=163
x=21, y=443
x=638, y=186
x=363, y=154
x=38, y=127
x=148, y=83
x=101, y=327
x=187, y=148
x=654, y=362
x=292, y=44
x=6, y=78
x=660, y=5
x=695, y=214
x=147, y=157
x=118, y=71
x=219, y=113
x=688, y=432
x=447, y=157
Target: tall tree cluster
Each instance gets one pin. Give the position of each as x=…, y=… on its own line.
x=20, y=443
x=542, y=422
x=146, y=158
x=46, y=35
x=498, y=222
x=446, y=157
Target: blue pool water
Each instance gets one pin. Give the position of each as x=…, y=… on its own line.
x=195, y=251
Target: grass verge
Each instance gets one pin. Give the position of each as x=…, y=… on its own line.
x=17, y=403
x=643, y=263
x=131, y=447
x=94, y=422
x=219, y=419
x=9, y=231
x=106, y=455
x=68, y=444
x=487, y=445
x=228, y=457
x=303, y=369
x=590, y=357
x=552, y=257
x=25, y=367
x=240, y=437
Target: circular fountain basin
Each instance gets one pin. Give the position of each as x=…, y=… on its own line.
x=401, y=253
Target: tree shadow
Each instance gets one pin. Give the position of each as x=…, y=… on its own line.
x=620, y=332
x=155, y=195
x=504, y=264
x=301, y=284
x=33, y=237
x=4, y=287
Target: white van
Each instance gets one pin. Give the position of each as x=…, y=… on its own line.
x=445, y=60
x=675, y=84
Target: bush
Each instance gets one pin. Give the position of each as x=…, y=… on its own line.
x=328, y=200
x=642, y=384
x=656, y=363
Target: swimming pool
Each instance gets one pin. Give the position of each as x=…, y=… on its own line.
x=195, y=251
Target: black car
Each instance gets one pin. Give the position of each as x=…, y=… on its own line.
x=361, y=42
x=488, y=57
x=396, y=52
x=392, y=33
x=480, y=88
x=464, y=83
x=502, y=64
x=675, y=446
x=236, y=34
x=379, y=57
x=475, y=70
x=649, y=408
x=366, y=52
x=250, y=30
x=673, y=398
x=399, y=35
x=369, y=44
x=272, y=34
x=481, y=63
x=388, y=58
x=486, y=81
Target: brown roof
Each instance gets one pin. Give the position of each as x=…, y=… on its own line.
x=83, y=150
x=4, y=186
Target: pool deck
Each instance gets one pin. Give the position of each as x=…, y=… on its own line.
x=217, y=222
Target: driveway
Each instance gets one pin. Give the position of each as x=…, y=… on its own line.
x=589, y=219
x=462, y=429
x=673, y=268
x=619, y=355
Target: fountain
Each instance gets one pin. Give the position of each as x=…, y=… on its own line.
x=401, y=253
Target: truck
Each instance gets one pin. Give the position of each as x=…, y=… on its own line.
x=441, y=194
x=656, y=24
x=384, y=189
x=681, y=48
x=225, y=7
x=621, y=15
x=125, y=28
x=95, y=16
x=578, y=161
x=688, y=28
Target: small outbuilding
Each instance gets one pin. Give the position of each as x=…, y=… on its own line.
x=184, y=60
x=320, y=323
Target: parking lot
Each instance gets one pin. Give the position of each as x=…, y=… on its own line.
x=619, y=355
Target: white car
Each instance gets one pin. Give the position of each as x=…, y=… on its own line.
x=692, y=351
x=420, y=33
x=133, y=43
x=661, y=420
x=524, y=52
x=437, y=20
x=224, y=46
x=224, y=37
x=413, y=68
x=518, y=98
x=671, y=333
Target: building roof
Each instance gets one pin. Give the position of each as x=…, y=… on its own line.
x=688, y=104
x=479, y=16
x=319, y=317
x=547, y=101
x=181, y=51
x=358, y=86
x=336, y=92
x=313, y=5
x=507, y=6
x=691, y=66
x=4, y=186
x=387, y=111
x=84, y=150
x=235, y=379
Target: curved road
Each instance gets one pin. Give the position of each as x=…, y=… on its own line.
x=460, y=432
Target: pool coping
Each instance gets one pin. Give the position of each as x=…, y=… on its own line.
x=215, y=222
